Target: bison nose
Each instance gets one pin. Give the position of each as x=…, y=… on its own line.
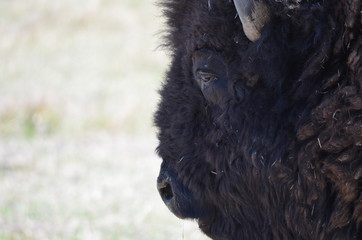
x=165, y=189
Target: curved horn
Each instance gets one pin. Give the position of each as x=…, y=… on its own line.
x=254, y=14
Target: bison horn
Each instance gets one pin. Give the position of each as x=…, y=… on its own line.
x=254, y=14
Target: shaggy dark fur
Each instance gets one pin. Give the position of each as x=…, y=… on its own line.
x=275, y=150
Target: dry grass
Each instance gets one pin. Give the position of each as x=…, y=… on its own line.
x=78, y=86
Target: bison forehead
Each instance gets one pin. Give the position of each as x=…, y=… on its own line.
x=194, y=25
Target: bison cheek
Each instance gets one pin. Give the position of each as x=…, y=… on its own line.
x=216, y=93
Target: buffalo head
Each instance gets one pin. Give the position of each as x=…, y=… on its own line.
x=248, y=120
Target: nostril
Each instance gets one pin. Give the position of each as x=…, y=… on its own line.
x=165, y=190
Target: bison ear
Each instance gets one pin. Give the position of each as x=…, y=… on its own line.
x=254, y=14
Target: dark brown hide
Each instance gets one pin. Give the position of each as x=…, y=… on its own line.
x=263, y=140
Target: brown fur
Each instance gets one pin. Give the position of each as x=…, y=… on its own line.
x=282, y=158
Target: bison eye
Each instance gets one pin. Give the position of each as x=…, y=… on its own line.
x=210, y=73
x=203, y=77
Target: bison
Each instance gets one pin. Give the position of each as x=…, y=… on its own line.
x=260, y=118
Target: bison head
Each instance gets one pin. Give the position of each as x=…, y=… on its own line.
x=240, y=136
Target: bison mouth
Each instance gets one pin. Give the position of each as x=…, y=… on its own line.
x=211, y=227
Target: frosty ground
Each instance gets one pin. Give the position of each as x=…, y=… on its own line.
x=78, y=86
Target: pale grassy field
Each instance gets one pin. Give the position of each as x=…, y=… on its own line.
x=78, y=86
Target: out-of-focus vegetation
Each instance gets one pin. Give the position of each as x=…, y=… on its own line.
x=78, y=86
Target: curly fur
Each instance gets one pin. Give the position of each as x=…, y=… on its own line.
x=283, y=160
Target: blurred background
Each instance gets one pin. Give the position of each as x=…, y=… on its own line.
x=78, y=87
